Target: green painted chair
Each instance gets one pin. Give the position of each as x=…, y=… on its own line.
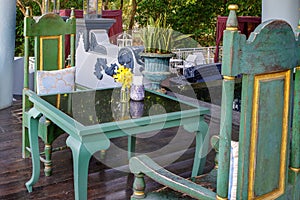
x=269, y=137
x=49, y=33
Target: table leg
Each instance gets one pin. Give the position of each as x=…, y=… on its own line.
x=201, y=148
x=81, y=158
x=34, y=146
x=82, y=150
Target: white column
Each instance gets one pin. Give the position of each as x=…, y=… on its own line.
x=7, y=47
x=287, y=10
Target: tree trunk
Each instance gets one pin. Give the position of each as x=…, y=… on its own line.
x=105, y=4
x=121, y=4
x=131, y=22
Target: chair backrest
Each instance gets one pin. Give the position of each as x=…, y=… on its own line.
x=269, y=135
x=124, y=40
x=49, y=32
x=191, y=59
x=200, y=58
x=266, y=61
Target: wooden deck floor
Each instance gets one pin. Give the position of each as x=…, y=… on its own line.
x=104, y=182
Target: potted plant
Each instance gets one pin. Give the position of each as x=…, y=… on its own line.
x=158, y=40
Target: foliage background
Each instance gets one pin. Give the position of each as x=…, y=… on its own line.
x=197, y=17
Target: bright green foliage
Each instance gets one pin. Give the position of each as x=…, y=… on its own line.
x=19, y=42
x=197, y=17
x=77, y=4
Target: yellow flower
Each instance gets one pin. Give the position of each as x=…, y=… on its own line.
x=124, y=76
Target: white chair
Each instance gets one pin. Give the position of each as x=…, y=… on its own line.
x=188, y=62
x=200, y=59
x=124, y=40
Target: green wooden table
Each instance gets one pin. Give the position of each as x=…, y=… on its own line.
x=92, y=118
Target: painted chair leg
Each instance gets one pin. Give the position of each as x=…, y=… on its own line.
x=48, y=162
x=102, y=154
x=294, y=180
x=25, y=142
x=200, y=149
x=33, y=139
x=25, y=137
x=138, y=187
x=131, y=146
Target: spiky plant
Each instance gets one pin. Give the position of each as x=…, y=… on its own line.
x=159, y=37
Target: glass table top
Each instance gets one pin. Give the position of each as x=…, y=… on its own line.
x=102, y=106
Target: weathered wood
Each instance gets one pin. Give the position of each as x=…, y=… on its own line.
x=49, y=33
x=104, y=182
x=144, y=165
x=295, y=145
x=225, y=136
x=266, y=62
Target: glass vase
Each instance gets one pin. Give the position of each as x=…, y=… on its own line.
x=124, y=94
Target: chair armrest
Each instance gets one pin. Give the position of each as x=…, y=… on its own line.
x=144, y=165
